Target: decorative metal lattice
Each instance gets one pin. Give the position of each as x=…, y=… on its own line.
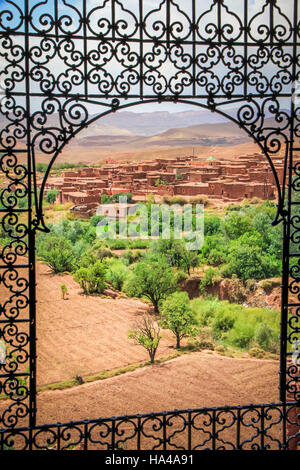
x=65, y=64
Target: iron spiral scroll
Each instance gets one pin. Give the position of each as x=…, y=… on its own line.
x=66, y=64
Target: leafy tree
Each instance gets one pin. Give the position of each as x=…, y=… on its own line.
x=212, y=225
x=57, y=253
x=210, y=277
x=189, y=260
x=214, y=250
x=250, y=263
x=177, y=255
x=235, y=224
x=51, y=196
x=178, y=316
x=253, y=239
x=271, y=236
x=147, y=334
x=153, y=279
x=116, y=197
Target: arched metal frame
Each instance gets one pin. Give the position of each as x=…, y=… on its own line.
x=65, y=64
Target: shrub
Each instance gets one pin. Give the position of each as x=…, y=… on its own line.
x=132, y=256
x=92, y=278
x=211, y=276
x=268, y=285
x=203, y=199
x=103, y=252
x=257, y=352
x=204, y=339
x=178, y=200
x=181, y=276
x=95, y=219
x=222, y=323
x=242, y=335
x=205, y=309
x=116, y=274
x=250, y=285
x=57, y=253
x=266, y=337
x=238, y=291
x=64, y=290
x=246, y=322
x=166, y=199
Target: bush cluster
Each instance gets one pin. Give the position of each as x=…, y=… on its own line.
x=237, y=325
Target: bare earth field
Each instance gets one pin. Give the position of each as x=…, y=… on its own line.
x=190, y=381
x=86, y=335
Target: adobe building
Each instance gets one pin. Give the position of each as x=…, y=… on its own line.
x=246, y=177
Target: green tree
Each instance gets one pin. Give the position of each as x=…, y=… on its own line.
x=249, y=262
x=178, y=316
x=215, y=250
x=212, y=225
x=235, y=224
x=271, y=236
x=176, y=254
x=52, y=195
x=160, y=181
x=147, y=334
x=153, y=279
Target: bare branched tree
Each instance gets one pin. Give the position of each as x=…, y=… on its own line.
x=146, y=333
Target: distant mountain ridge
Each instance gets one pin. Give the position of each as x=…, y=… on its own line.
x=132, y=133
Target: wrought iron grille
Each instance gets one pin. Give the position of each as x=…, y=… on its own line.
x=66, y=64
x=254, y=427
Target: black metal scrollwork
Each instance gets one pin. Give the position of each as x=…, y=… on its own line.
x=66, y=64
